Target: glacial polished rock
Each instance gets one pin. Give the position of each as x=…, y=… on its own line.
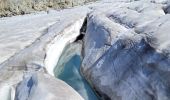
x=126, y=51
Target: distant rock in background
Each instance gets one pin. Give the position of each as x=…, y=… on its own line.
x=20, y=7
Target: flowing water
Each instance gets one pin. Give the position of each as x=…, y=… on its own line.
x=68, y=70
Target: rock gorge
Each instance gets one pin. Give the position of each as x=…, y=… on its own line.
x=105, y=50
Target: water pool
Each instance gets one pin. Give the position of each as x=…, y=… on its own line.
x=68, y=70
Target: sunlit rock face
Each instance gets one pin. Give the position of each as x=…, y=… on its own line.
x=28, y=39
x=32, y=45
x=68, y=70
x=126, y=55
x=55, y=47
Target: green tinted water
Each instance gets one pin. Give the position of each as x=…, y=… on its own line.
x=68, y=70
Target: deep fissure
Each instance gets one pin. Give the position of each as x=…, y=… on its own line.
x=68, y=67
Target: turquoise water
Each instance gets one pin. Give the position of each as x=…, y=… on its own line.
x=68, y=70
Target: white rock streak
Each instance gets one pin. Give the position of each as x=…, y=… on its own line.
x=7, y=92
x=55, y=48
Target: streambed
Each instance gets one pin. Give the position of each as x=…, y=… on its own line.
x=68, y=70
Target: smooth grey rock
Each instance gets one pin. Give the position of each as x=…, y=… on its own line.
x=126, y=53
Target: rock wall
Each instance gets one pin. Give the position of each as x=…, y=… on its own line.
x=126, y=51
x=15, y=7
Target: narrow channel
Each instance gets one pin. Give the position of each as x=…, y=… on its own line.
x=68, y=70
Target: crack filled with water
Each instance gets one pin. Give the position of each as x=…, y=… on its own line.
x=68, y=67
x=68, y=70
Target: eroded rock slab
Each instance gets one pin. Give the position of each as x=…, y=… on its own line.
x=127, y=51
